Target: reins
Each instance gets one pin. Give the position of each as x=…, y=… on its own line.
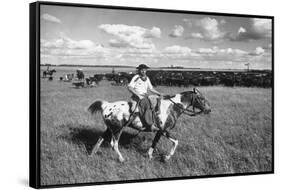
x=187, y=111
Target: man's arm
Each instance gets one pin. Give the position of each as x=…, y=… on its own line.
x=132, y=90
x=155, y=92
x=131, y=87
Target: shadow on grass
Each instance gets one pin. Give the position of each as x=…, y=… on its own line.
x=81, y=134
x=88, y=136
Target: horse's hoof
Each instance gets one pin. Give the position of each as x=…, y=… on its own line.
x=94, y=152
x=167, y=157
x=121, y=159
x=150, y=152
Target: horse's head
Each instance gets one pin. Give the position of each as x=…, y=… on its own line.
x=195, y=99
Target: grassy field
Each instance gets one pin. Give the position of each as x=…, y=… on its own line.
x=235, y=138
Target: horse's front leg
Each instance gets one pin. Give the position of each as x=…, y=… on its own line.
x=175, y=144
x=154, y=143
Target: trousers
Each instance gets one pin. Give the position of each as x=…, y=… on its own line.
x=146, y=107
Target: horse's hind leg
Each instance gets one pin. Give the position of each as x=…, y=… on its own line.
x=100, y=140
x=97, y=145
x=175, y=144
x=115, y=146
x=115, y=140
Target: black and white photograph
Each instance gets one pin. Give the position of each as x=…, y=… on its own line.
x=137, y=94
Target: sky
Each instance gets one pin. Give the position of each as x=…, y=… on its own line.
x=95, y=36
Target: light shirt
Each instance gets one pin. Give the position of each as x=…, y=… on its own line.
x=140, y=86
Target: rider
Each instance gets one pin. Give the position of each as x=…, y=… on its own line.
x=80, y=74
x=139, y=87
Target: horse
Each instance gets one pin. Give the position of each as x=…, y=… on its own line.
x=48, y=72
x=80, y=75
x=118, y=115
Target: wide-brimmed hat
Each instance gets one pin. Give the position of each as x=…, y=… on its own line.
x=142, y=66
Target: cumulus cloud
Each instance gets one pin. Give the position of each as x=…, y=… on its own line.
x=262, y=26
x=65, y=42
x=215, y=57
x=258, y=51
x=188, y=22
x=118, y=43
x=241, y=30
x=141, y=53
x=215, y=51
x=177, y=31
x=153, y=33
x=176, y=49
x=177, y=52
x=131, y=36
x=258, y=29
x=65, y=46
x=209, y=29
x=197, y=35
x=50, y=18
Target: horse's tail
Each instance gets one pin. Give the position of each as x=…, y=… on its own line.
x=97, y=106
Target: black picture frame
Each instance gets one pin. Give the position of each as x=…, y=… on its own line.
x=35, y=94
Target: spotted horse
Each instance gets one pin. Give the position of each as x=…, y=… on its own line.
x=117, y=115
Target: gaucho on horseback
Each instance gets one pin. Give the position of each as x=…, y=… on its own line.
x=142, y=104
x=121, y=114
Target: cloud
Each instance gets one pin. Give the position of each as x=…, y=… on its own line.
x=153, y=33
x=215, y=51
x=262, y=26
x=177, y=52
x=215, y=57
x=258, y=51
x=258, y=29
x=50, y=18
x=197, y=35
x=131, y=36
x=177, y=31
x=65, y=42
x=188, y=22
x=65, y=46
x=137, y=56
x=267, y=47
x=141, y=53
x=176, y=49
x=241, y=30
x=209, y=29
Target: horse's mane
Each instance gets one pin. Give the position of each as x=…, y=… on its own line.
x=166, y=97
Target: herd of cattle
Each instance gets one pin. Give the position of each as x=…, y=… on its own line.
x=253, y=78
x=210, y=78
x=199, y=78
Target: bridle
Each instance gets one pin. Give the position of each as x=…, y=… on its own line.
x=187, y=110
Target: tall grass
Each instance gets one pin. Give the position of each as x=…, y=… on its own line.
x=234, y=138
